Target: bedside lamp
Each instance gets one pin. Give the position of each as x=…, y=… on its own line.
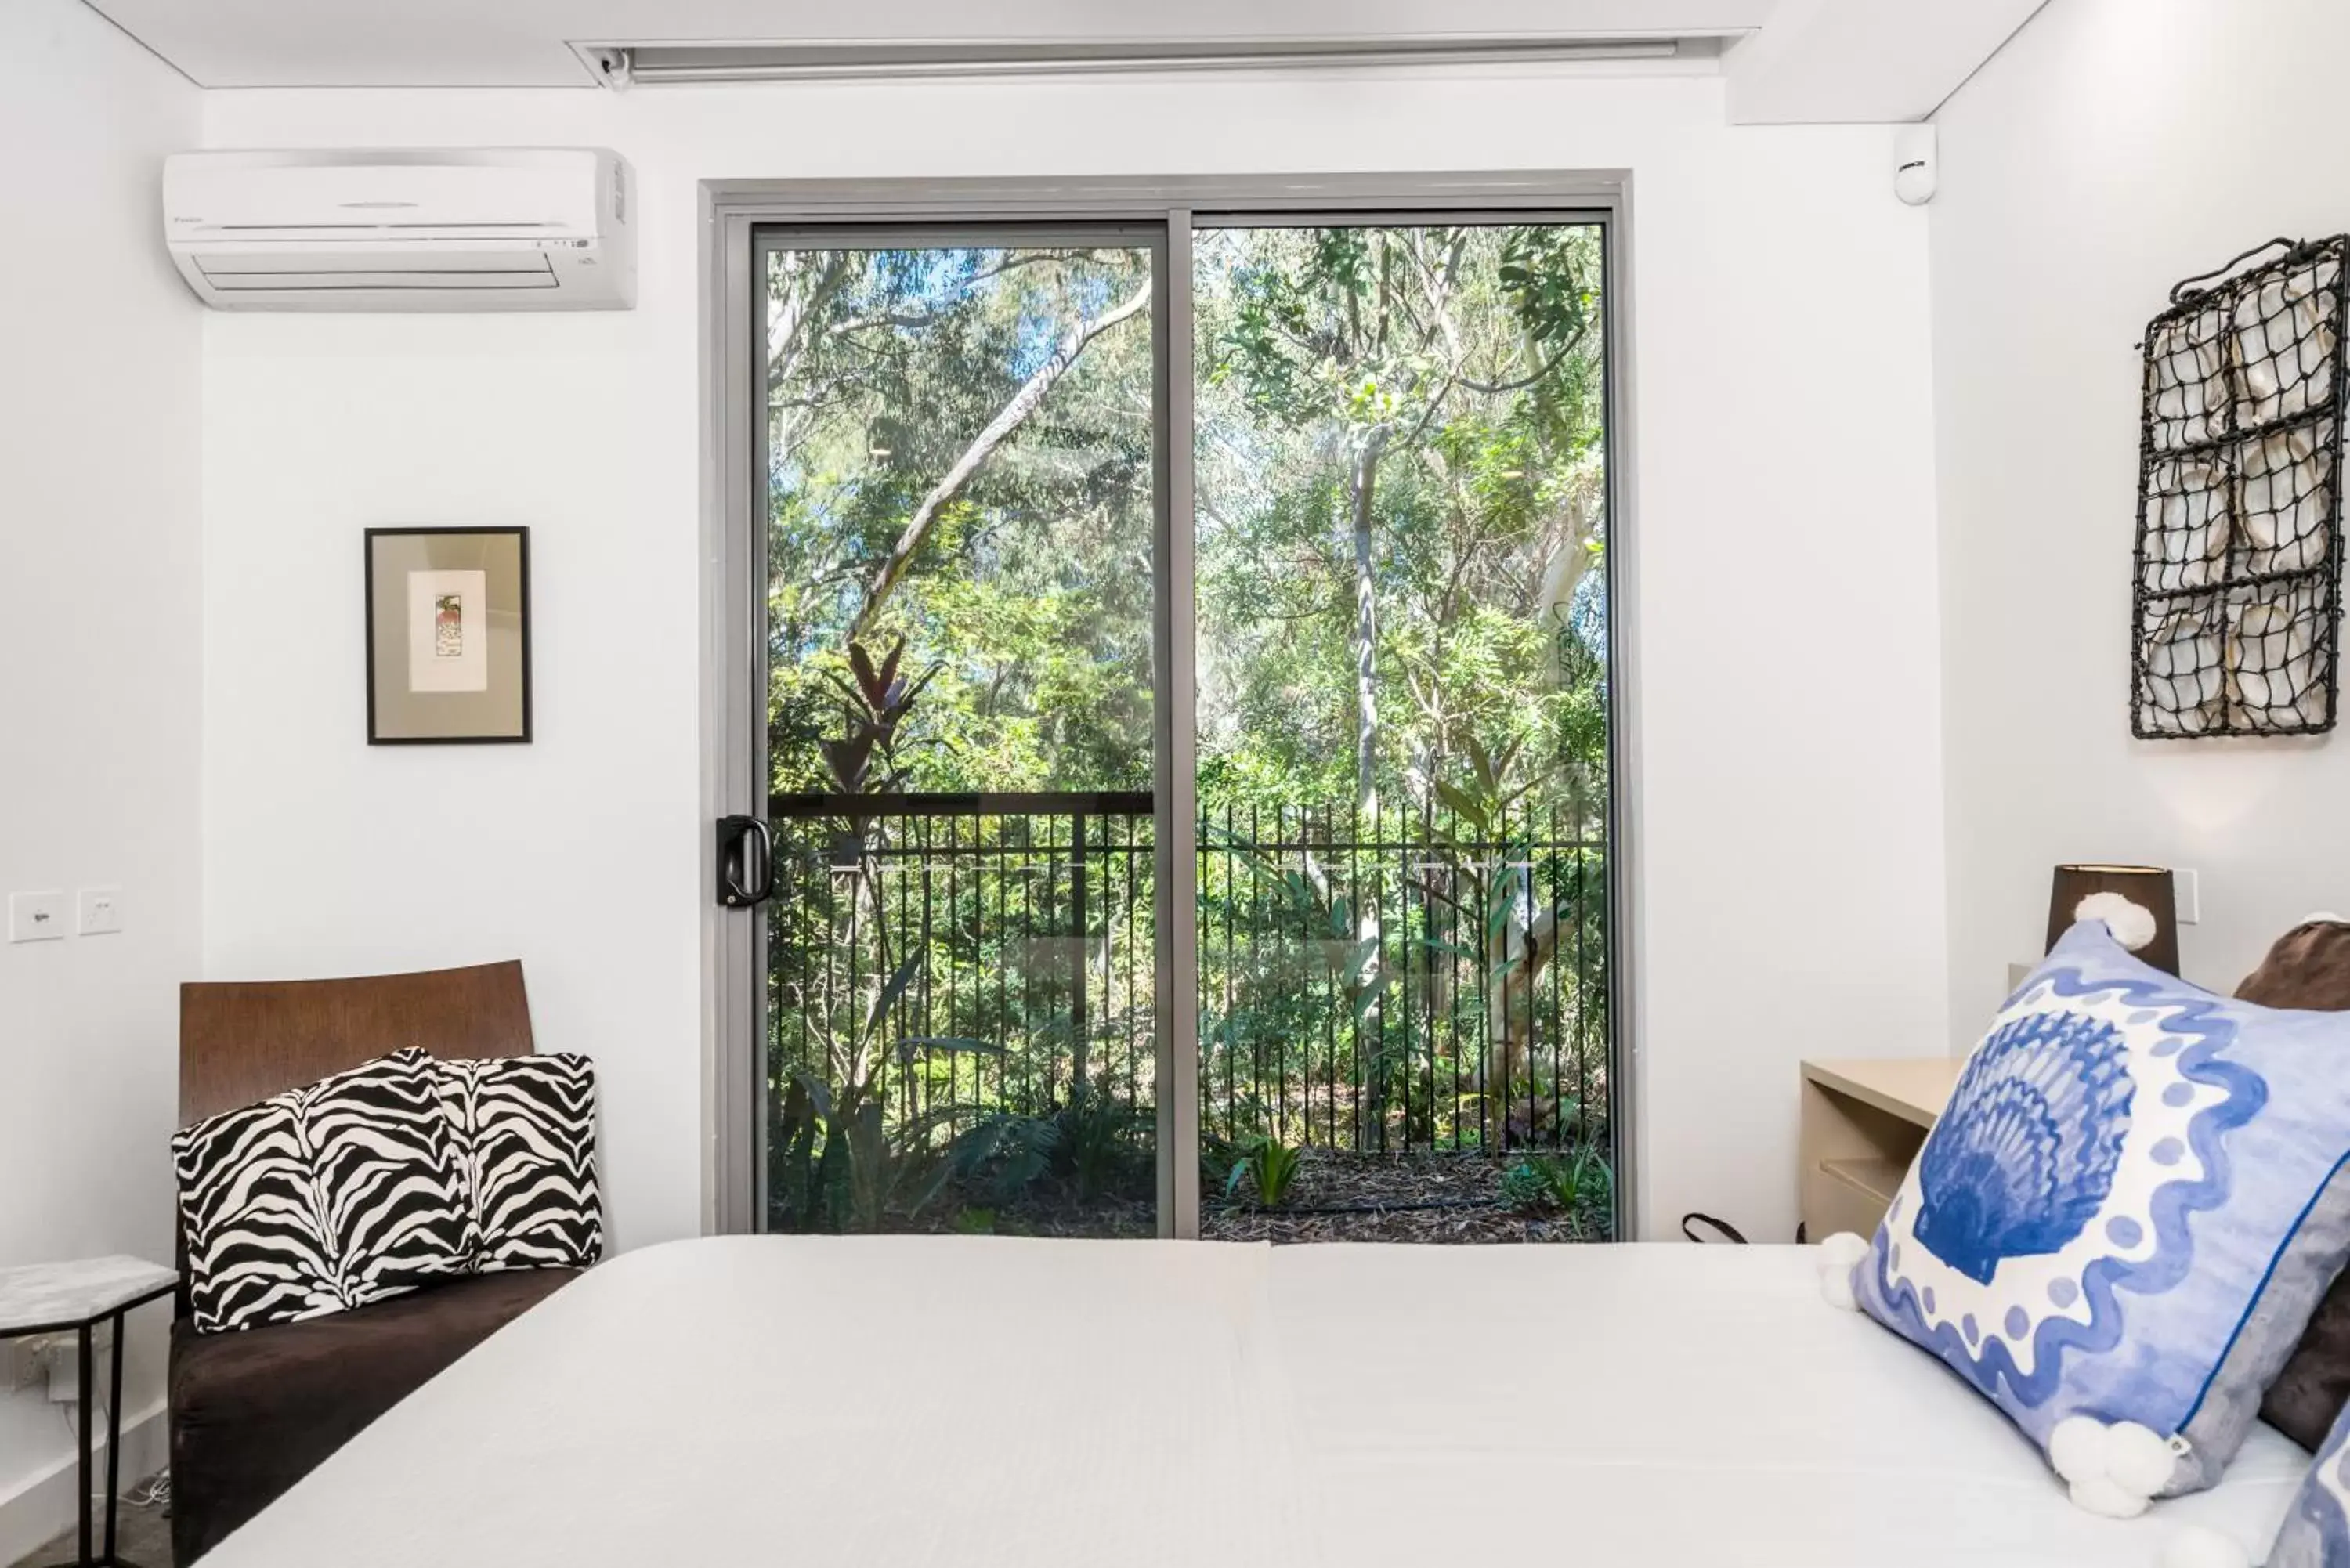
x=2153, y=941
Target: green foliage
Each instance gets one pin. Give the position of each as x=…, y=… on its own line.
x=1102, y=1144
x=838, y=1166
x=1023, y=599
x=1462, y=364
x=1470, y=358
x=1575, y=1185
x=1433, y=397
x=836, y=1162
x=1263, y=1173
x=1004, y=1155
x=1095, y=1144
x=1525, y=1190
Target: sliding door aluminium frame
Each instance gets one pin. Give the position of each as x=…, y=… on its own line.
x=1162, y=214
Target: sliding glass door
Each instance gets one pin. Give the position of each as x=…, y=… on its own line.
x=1170, y=654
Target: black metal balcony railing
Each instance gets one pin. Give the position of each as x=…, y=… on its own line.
x=1393, y=981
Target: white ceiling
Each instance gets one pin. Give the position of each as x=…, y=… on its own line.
x=1869, y=61
x=522, y=43
x=1794, y=60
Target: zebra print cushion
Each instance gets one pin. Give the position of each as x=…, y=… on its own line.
x=525, y=1138
x=324, y=1197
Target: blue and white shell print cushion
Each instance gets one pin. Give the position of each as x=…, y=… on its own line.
x=2122, y=1221
x=2316, y=1531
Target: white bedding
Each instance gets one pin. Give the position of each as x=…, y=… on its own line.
x=907, y=1402
x=1675, y=1405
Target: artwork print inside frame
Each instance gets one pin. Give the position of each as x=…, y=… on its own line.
x=448, y=635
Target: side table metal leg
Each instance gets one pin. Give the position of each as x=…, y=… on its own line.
x=113, y=1435
x=88, y=1330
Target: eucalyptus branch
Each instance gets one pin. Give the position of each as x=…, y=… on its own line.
x=1009, y=418
x=1541, y=374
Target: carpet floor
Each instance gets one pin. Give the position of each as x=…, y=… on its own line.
x=142, y=1535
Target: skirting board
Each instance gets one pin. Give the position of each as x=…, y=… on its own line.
x=43, y=1508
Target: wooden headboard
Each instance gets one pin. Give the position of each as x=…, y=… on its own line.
x=243, y=1041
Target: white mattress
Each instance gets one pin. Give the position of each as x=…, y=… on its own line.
x=907, y=1402
x=1675, y=1405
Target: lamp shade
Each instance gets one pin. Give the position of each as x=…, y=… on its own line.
x=2147, y=886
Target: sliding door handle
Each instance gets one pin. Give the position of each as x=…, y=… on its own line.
x=747, y=862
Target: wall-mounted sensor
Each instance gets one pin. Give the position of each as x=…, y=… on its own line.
x=1917, y=166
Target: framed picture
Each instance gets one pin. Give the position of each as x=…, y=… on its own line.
x=448, y=635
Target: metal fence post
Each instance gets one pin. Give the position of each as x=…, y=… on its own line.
x=1078, y=1011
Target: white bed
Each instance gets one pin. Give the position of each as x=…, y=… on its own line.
x=1675, y=1405
x=905, y=1402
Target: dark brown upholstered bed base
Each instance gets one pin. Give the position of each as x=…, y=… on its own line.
x=2309, y=968
x=253, y=1413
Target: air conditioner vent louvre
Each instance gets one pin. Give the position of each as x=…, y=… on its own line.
x=385, y=228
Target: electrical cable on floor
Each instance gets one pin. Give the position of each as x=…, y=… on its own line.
x=156, y=1489
x=73, y=1427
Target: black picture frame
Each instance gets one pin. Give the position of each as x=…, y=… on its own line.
x=499, y=716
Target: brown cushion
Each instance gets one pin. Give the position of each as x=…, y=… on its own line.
x=2309, y=969
x=254, y=1411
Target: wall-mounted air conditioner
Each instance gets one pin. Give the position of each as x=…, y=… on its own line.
x=404, y=229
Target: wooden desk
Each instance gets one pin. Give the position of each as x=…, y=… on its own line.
x=1863, y=1121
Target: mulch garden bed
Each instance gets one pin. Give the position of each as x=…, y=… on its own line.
x=1423, y=1198
x=1427, y=1197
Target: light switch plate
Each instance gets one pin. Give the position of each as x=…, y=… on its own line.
x=101, y=913
x=37, y=917
x=2187, y=889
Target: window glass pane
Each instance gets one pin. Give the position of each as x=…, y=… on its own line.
x=960, y=948
x=1401, y=532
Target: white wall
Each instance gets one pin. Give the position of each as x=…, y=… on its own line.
x=2113, y=149
x=100, y=376
x=1784, y=623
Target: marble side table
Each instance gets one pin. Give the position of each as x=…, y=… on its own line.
x=75, y=1298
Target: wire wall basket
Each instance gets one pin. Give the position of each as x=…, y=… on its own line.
x=2238, y=585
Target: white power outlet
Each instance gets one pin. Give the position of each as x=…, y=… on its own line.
x=101, y=911
x=65, y=1373
x=50, y=1359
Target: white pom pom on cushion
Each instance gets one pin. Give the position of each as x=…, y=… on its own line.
x=1839, y=1255
x=1836, y=1289
x=2196, y=1547
x=2114, y=1471
x=2131, y=923
x=2137, y=1459
x=2105, y=1500
x=2076, y=1449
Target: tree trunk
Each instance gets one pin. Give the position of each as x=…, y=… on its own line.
x=1510, y=1013
x=1554, y=593
x=1372, y=1101
x=790, y=318
x=1024, y=402
x=1367, y=624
